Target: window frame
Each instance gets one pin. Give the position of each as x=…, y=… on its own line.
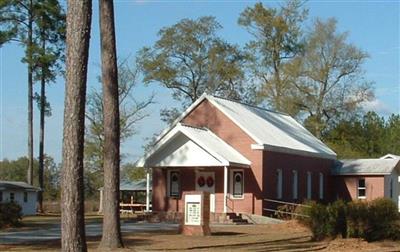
x=169, y=184
x=309, y=185
x=279, y=183
x=12, y=196
x=25, y=197
x=295, y=184
x=361, y=188
x=321, y=185
x=231, y=184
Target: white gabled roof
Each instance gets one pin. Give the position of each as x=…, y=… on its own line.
x=373, y=166
x=273, y=130
x=191, y=146
x=390, y=156
x=270, y=130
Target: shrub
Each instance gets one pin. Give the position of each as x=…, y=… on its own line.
x=357, y=219
x=336, y=222
x=316, y=220
x=284, y=212
x=382, y=217
x=10, y=214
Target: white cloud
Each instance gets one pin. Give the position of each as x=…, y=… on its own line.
x=378, y=106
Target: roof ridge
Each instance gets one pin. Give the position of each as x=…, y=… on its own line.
x=250, y=105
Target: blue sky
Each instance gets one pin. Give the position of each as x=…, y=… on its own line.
x=372, y=25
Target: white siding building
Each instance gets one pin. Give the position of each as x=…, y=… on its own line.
x=21, y=193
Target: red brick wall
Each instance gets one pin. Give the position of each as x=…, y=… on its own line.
x=259, y=180
x=346, y=187
x=287, y=163
x=206, y=115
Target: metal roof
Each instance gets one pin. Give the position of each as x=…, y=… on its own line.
x=17, y=185
x=390, y=156
x=210, y=143
x=126, y=185
x=365, y=166
x=272, y=130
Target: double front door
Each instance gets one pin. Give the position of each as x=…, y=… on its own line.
x=205, y=181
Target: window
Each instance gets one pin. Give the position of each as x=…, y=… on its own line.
x=237, y=184
x=309, y=183
x=1, y=196
x=391, y=187
x=295, y=184
x=25, y=196
x=279, y=183
x=321, y=185
x=11, y=196
x=361, y=189
x=173, y=183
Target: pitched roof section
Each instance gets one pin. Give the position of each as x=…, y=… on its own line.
x=390, y=156
x=366, y=166
x=270, y=130
x=273, y=130
x=139, y=185
x=185, y=145
x=17, y=185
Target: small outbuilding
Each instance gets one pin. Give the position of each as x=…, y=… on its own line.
x=21, y=193
x=367, y=179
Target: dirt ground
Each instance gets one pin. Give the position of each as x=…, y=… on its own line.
x=287, y=236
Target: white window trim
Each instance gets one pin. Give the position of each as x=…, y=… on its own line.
x=169, y=184
x=279, y=184
x=358, y=189
x=295, y=184
x=231, y=171
x=309, y=185
x=321, y=185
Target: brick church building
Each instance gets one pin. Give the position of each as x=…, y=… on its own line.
x=244, y=154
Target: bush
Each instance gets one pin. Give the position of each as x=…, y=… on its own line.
x=376, y=220
x=10, y=214
x=336, y=222
x=382, y=217
x=316, y=220
x=357, y=219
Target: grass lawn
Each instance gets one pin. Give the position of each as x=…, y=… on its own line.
x=288, y=236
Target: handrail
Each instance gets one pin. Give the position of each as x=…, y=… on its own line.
x=286, y=203
x=280, y=211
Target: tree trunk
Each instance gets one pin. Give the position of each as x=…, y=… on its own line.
x=72, y=199
x=30, y=92
x=41, y=141
x=111, y=221
x=41, y=137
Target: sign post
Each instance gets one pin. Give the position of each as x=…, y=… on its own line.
x=196, y=219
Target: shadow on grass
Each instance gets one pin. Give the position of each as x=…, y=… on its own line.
x=92, y=244
x=225, y=233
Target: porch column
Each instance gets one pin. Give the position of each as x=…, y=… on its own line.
x=225, y=188
x=101, y=201
x=147, y=190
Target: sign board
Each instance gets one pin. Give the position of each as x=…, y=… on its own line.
x=192, y=209
x=196, y=219
x=193, y=214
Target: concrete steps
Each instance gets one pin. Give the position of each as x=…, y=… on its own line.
x=236, y=219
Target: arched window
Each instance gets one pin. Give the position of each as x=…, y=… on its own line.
x=237, y=184
x=174, y=183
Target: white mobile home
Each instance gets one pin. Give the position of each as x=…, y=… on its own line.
x=21, y=193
